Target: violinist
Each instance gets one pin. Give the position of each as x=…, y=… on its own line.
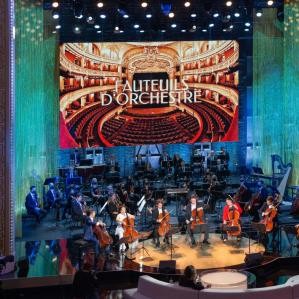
x=231, y=214
x=160, y=217
x=95, y=191
x=194, y=215
x=113, y=206
x=122, y=219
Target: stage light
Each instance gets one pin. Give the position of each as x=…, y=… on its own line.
x=55, y=14
x=116, y=29
x=224, y=29
x=100, y=4
x=173, y=25
x=163, y=30
x=187, y=4
x=148, y=16
x=144, y=4
x=211, y=25
x=270, y=3
x=229, y=3
x=78, y=9
x=102, y=16
x=259, y=13
x=237, y=14
x=96, y=26
x=77, y=29
x=216, y=14
x=58, y=26
x=171, y=14
x=125, y=16
x=228, y=17
x=99, y=31
x=246, y=29
x=136, y=26
x=54, y=31
x=204, y=30
x=193, y=15
x=55, y=4
x=247, y=24
x=141, y=31
x=231, y=26
x=121, y=31
x=183, y=30
x=90, y=20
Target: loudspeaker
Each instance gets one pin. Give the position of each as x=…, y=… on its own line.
x=253, y=259
x=167, y=267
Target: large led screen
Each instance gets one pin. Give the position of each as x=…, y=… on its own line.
x=135, y=93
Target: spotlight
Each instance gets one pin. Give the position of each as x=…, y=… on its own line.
x=99, y=31
x=100, y=4
x=173, y=25
x=216, y=14
x=77, y=30
x=144, y=4
x=194, y=27
x=141, y=31
x=187, y=4
x=90, y=20
x=237, y=14
x=102, y=16
x=204, y=30
x=163, y=30
x=55, y=4
x=78, y=9
x=125, y=16
x=246, y=29
x=229, y=3
x=259, y=13
x=183, y=30
x=54, y=31
x=55, y=14
x=96, y=26
x=136, y=26
x=116, y=28
x=171, y=14
x=121, y=31
x=231, y=26
x=57, y=26
x=211, y=25
x=193, y=15
x=148, y=16
x=247, y=24
x=270, y=3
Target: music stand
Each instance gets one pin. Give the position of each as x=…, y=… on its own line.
x=260, y=228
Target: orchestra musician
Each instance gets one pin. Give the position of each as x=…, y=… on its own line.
x=243, y=194
x=256, y=202
x=113, y=206
x=139, y=164
x=160, y=215
x=176, y=166
x=193, y=210
x=70, y=196
x=214, y=191
x=32, y=205
x=148, y=193
x=78, y=208
x=54, y=198
x=269, y=219
x=230, y=218
x=121, y=220
x=95, y=191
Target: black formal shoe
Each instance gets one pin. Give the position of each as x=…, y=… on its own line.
x=157, y=245
x=206, y=242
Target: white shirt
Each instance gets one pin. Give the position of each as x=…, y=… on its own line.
x=193, y=206
x=160, y=211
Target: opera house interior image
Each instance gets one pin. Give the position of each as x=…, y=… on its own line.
x=149, y=149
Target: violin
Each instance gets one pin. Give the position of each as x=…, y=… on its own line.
x=164, y=225
x=234, y=221
x=102, y=235
x=198, y=217
x=129, y=231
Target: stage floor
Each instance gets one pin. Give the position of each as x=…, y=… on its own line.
x=216, y=255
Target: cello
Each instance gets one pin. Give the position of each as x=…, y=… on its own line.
x=102, y=235
x=234, y=221
x=164, y=225
x=129, y=231
x=198, y=217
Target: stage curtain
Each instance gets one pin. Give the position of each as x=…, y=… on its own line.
x=267, y=129
x=290, y=105
x=37, y=104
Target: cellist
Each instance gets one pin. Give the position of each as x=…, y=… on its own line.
x=122, y=219
x=228, y=214
x=160, y=217
x=193, y=210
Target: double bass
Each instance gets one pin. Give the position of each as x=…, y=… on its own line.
x=164, y=225
x=102, y=235
x=129, y=231
x=234, y=221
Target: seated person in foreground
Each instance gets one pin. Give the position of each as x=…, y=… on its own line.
x=189, y=279
x=32, y=205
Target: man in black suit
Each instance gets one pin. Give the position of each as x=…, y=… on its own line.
x=32, y=205
x=193, y=207
x=54, y=199
x=158, y=214
x=77, y=207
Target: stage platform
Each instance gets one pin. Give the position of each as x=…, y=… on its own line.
x=216, y=255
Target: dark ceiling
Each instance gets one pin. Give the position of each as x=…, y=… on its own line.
x=197, y=22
